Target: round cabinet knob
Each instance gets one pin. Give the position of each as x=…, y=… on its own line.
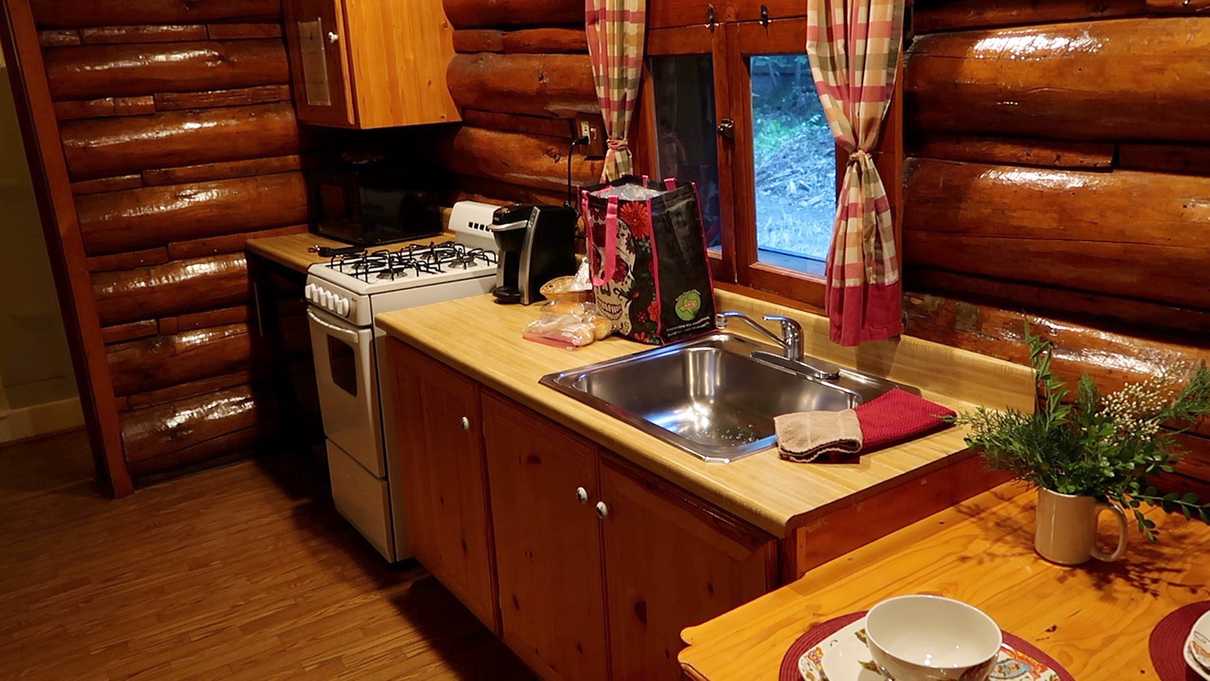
x=581, y=495
x=333, y=36
x=602, y=509
x=466, y=423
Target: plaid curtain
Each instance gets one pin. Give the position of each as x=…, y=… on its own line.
x=854, y=51
x=615, y=46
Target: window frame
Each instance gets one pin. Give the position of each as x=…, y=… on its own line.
x=731, y=44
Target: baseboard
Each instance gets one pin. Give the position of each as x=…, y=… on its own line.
x=40, y=419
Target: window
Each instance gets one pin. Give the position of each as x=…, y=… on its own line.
x=735, y=111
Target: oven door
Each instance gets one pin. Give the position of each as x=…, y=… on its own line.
x=348, y=391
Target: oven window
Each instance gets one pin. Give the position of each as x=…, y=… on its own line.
x=342, y=365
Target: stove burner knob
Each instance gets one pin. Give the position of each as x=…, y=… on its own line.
x=326, y=299
x=309, y=292
x=342, y=306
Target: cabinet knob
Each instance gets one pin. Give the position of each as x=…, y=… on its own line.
x=581, y=495
x=726, y=128
x=333, y=36
x=602, y=509
x=466, y=423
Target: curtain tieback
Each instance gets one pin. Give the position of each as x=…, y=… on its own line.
x=617, y=144
x=859, y=156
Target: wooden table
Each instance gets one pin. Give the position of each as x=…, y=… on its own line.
x=1094, y=619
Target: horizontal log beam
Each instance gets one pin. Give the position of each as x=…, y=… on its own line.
x=525, y=41
x=114, y=146
x=183, y=391
x=167, y=326
x=558, y=85
x=145, y=69
x=960, y=15
x=58, y=38
x=162, y=430
x=153, y=216
x=107, y=184
x=207, y=99
x=1017, y=151
x=117, y=35
x=515, y=158
x=1165, y=158
x=119, y=333
x=1124, y=314
x=218, y=451
x=75, y=14
x=243, y=31
x=222, y=170
x=228, y=243
x=492, y=191
x=72, y=109
x=475, y=13
x=128, y=260
x=172, y=288
x=163, y=361
x=1110, y=359
x=532, y=125
x=1079, y=230
x=1178, y=6
x=1100, y=80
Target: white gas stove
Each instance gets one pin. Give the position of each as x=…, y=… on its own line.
x=345, y=294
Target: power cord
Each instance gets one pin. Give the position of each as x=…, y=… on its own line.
x=571, y=148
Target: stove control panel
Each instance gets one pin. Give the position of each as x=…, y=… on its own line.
x=332, y=302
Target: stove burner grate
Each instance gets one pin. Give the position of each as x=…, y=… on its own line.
x=411, y=260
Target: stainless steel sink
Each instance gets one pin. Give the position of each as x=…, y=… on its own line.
x=710, y=396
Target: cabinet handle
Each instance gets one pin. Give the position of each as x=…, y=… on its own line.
x=466, y=423
x=711, y=18
x=581, y=495
x=333, y=36
x=726, y=129
x=602, y=509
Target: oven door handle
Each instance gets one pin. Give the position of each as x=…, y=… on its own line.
x=347, y=333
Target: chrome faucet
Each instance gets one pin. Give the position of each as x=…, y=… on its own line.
x=791, y=331
x=792, y=356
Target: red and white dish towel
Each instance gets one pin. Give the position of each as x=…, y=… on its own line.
x=893, y=417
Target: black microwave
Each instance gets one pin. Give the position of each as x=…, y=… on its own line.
x=372, y=201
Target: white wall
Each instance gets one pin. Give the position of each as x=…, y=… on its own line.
x=37, y=386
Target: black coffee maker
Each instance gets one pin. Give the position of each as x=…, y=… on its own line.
x=537, y=244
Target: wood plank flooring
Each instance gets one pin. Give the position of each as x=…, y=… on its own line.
x=240, y=572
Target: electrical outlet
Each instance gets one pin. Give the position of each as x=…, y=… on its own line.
x=593, y=128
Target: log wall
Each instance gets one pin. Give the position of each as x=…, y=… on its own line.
x=1059, y=174
x=181, y=143
x=521, y=76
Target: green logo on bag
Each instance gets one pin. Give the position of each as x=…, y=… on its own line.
x=688, y=304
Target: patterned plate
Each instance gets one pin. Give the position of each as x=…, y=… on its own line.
x=844, y=656
x=1198, y=644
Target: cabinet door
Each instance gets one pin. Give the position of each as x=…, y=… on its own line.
x=671, y=562
x=548, y=545
x=319, y=68
x=437, y=474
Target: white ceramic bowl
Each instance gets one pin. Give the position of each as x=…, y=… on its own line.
x=931, y=638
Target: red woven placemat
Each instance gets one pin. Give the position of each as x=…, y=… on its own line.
x=1167, y=643
x=789, y=663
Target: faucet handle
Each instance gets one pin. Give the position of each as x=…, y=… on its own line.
x=787, y=324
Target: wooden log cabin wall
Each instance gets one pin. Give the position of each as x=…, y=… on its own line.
x=179, y=139
x=1059, y=173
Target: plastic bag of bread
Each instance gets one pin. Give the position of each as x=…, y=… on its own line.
x=568, y=324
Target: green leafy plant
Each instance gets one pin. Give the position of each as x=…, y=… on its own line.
x=1107, y=446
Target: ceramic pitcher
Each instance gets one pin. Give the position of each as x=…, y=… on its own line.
x=1066, y=530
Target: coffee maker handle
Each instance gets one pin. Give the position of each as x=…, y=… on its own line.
x=610, y=254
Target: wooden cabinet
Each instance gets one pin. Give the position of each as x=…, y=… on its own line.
x=370, y=63
x=544, y=485
x=438, y=476
x=670, y=562
x=593, y=566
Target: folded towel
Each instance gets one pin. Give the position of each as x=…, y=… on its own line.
x=805, y=436
x=896, y=416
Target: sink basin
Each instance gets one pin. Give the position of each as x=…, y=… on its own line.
x=709, y=396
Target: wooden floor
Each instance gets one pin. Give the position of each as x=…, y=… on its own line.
x=231, y=573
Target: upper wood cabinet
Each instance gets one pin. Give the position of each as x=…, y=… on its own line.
x=370, y=63
x=434, y=435
x=544, y=485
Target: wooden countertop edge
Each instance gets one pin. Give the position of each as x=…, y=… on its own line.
x=560, y=408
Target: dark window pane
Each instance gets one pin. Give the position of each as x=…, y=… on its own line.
x=795, y=164
x=342, y=363
x=684, y=110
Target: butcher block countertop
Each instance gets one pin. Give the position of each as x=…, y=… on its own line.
x=1094, y=619
x=483, y=340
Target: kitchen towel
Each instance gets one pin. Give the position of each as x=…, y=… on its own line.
x=804, y=436
x=898, y=415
